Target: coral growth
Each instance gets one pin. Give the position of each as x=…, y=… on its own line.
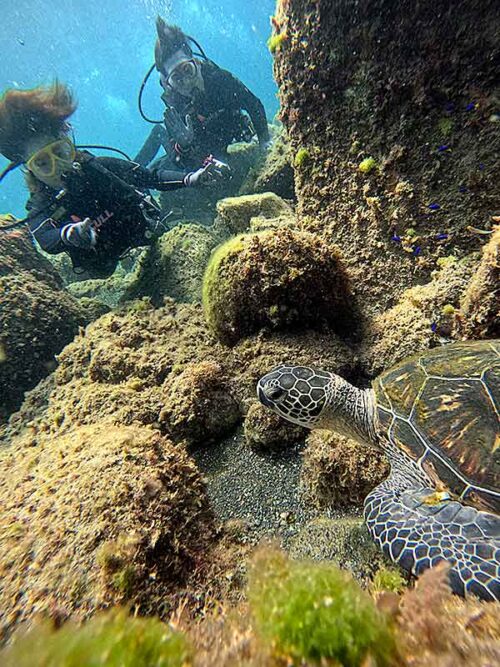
x=99, y=516
x=274, y=279
x=338, y=471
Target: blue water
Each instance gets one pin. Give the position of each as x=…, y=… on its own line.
x=103, y=48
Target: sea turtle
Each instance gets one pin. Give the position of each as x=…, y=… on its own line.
x=436, y=416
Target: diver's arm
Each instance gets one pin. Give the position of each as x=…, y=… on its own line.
x=47, y=233
x=157, y=138
x=250, y=103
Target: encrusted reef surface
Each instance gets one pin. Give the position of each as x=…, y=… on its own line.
x=392, y=114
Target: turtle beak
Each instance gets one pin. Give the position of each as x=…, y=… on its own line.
x=261, y=395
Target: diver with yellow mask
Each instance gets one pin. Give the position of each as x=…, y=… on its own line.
x=93, y=208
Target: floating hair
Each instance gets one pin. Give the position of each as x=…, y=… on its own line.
x=26, y=113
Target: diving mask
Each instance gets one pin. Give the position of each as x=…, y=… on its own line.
x=183, y=74
x=52, y=160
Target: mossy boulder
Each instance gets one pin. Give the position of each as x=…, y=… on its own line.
x=102, y=515
x=264, y=430
x=338, y=472
x=199, y=407
x=344, y=541
x=234, y=213
x=175, y=264
x=276, y=279
x=37, y=319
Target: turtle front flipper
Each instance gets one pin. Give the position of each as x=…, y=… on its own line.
x=418, y=534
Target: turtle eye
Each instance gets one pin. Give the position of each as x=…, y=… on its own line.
x=274, y=393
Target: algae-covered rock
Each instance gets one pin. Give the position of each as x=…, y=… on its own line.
x=37, y=319
x=264, y=430
x=338, y=471
x=413, y=89
x=175, y=264
x=423, y=315
x=99, y=516
x=344, y=541
x=234, y=213
x=276, y=279
x=199, y=407
x=480, y=305
x=17, y=253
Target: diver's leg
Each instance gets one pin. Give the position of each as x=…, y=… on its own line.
x=417, y=530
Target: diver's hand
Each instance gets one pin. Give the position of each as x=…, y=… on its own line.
x=181, y=131
x=79, y=234
x=212, y=172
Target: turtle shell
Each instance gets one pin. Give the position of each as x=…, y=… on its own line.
x=441, y=408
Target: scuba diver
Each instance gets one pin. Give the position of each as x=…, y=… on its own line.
x=204, y=105
x=93, y=208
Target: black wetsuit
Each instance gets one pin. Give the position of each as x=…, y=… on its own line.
x=110, y=192
x=217, y=119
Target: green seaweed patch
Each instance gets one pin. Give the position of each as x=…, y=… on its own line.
x=316, y=612
x=388, y=579
x=302, y=157
x=445, y=126
x=367, y=165
x=113, y=638
x=448, y=310
x=449, y=260
x=275, y=42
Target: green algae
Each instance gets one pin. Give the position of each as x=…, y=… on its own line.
x=315, y=612
x=301, y=157
x=367, y=165
x=111, y=639
x=275, y=42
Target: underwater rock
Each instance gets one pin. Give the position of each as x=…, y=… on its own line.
x=422, y=316
x=480, y=305
x=276, y=279
x=338, y=471
x=276, y=173
x=345, y=541
x=100, y=516
x=417, y=99
x=174, y=265
x=199, y=407
x=17, y=253
x=37, y=319
x=234, y=213
x=264, y=430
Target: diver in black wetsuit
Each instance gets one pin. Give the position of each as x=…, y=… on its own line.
x=204, y=106
x=93, y=208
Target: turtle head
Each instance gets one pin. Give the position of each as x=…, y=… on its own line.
x=299, y=394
